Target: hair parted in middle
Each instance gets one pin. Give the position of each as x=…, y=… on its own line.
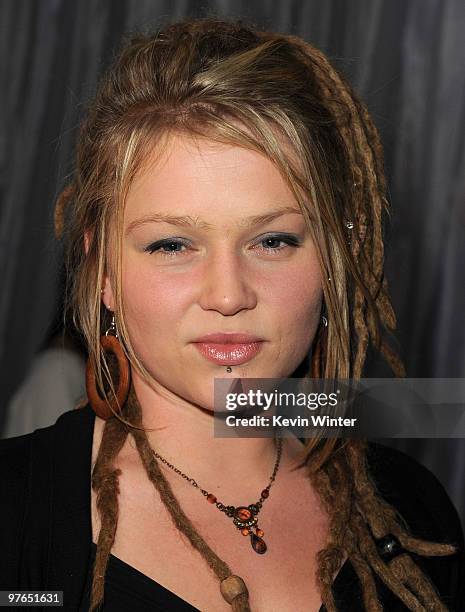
x=280, y=96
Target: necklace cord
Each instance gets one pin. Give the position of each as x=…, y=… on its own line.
x=222, y=507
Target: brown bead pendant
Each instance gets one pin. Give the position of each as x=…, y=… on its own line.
x=258, y=544
x=245, y=519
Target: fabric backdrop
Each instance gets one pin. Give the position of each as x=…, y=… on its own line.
x=405, y=58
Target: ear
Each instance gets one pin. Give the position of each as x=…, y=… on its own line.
x=108, y=297
x=107, y=292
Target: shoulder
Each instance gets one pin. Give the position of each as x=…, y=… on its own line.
x=77, y=419
x=14, y=448
x=415, y=490
x=423, y=503
x=14, y=470
x=19, y=455
x=44, y=497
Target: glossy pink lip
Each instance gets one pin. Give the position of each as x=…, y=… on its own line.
x=229, y=353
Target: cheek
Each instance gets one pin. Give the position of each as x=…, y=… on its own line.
x=153, y=304
x=297, y=296
x=295, y=307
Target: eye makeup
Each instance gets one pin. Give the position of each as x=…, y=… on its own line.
x=289, y=240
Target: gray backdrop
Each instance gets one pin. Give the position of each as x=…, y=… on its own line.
x=405, y=57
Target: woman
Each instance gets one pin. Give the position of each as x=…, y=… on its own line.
x=228, y=181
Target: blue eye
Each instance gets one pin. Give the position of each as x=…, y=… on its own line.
x=171, y=247
x=288, y=239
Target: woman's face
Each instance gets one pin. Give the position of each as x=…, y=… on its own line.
x=214, y=242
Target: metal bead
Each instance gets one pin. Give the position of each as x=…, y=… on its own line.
x=389, y=547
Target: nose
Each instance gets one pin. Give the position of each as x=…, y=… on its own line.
x=226, y=285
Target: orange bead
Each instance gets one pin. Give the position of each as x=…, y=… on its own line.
x=260, y=532
x=243, y=514
x=245, y=531
x=211, y=498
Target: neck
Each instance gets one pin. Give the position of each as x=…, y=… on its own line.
x=183, y=434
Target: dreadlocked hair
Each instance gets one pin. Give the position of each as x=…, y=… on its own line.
x=105, y=484
x=269, y=92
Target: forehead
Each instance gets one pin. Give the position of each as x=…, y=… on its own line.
x=200, y=177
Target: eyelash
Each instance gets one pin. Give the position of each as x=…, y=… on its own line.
x=155, y=247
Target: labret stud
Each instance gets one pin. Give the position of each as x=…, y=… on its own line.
x=229, y=369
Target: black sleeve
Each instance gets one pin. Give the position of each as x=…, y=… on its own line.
x=422, y=501
x=14, y=474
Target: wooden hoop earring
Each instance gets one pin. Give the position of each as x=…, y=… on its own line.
x=101, y=407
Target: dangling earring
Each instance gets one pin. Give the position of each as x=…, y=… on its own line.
x=109, y=343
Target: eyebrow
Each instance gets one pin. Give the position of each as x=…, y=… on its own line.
x=189, y=221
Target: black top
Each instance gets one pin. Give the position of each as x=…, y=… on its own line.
x=128, y=589
x=46, y=533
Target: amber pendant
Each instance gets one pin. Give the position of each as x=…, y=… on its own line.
x=258, y=544
x=245, y=519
